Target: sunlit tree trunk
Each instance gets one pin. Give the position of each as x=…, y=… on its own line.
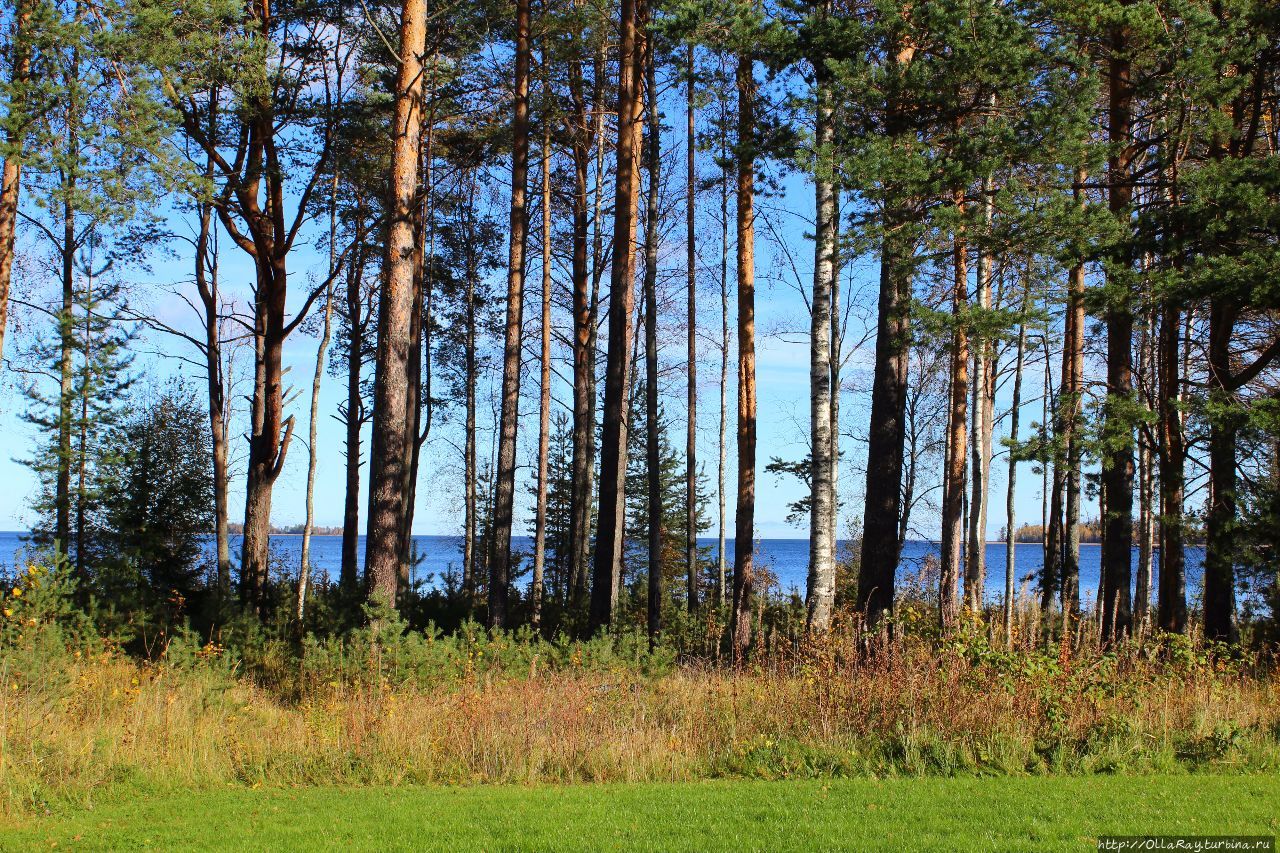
x=387, y=499
x=613, y=448
x=954, y=470
x=983, y=404
x=723, y=434
x=744, y=527
x=1071, y=405
x=822, y=518
x=11, y=177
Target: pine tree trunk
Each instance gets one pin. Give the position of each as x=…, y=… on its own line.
x=613, y=448
x=66, y=370
x=1117, y=463
x=582, y=136
x=470, y=461
x=419, y=399
x=983, y=404
x=1146, y=522
x=304, y=571
x=958, y=416
x=1219, y=558
x=11, y=177
x=744, y=527
x=206, y=276
x=1172, y=599
x=349, y=578
x=653, y=461
x=1010, y=539
x=723, y=435
x=593, y=342
x=822, y=518
x=504, y=489
x=691, y=433
x=883, y=509
x=1071, y=405
x=412, y=410
x=387, y=499
x=544, y=396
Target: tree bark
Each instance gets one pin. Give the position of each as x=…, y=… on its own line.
x=206, y=266
x=504, y=489
x=983, y=405
x=387, y=499
x=1010, y=506
x=722, y=444
x=1219, y=561
x=357, y=323
x=1146, y=521
x=469, y=461
x=744, y=527
x=304, y=571
x=691, y=432
x=1171, y=612
x=881, y=547
x=822, y=516
x=11, y=177
x=953, y=479
x=1070, y=404
x=1117, y=463
x=613, y=448
x=583, y=137
x=544, y=396
x=653, y=461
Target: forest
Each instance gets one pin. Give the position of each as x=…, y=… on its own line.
x=491, y=267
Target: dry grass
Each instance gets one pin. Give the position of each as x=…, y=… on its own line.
x=384, y=707
x=106, y=719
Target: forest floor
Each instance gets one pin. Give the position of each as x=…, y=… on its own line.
x=958, y=813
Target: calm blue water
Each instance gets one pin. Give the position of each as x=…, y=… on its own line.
x=788, y=559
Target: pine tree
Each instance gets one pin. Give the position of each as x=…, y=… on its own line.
x=87, y=356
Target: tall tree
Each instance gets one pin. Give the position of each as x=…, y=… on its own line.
x=504, y=493
x=691, y=279
x=822, y=428
x=544, y=393
x=387, y=499
x=15, y=122
x=1117, y=462
x=653, y=155
x=953, y=477
x=613, y=447
x=745, y=509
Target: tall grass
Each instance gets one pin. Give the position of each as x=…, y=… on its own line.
x=385, y=707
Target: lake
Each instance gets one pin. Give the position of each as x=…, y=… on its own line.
x=788, y=559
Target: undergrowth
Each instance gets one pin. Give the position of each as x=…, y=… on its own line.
x=386, y=706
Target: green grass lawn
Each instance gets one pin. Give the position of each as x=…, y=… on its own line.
x=1040, y=813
